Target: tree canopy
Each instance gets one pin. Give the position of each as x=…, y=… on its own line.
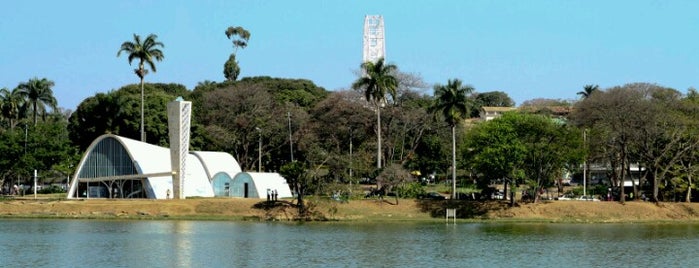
x=377, y=81
x=240, y=37
x=38, y=93
x=522, y=148
x=145, y=51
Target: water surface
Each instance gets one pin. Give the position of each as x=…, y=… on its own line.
x=95, y=243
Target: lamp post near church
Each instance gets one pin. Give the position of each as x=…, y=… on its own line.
x=585, y=163
x=259, y=150
x=291, y=143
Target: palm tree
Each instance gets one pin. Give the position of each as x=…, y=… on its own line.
x=451, y=101
x=4, y=94
x=38, y=93
x=588, y=90
x=231, y=70
x=377, y=81
x=11, y=104
x=145, y=52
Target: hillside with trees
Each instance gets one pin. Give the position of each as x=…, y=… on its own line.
x=383, y=129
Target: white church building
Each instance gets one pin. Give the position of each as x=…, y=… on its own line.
x=119, y=167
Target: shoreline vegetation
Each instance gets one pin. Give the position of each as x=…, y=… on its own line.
x=365, y=210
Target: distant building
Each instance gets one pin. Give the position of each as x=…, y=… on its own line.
x=556, y=112
x=490, y=113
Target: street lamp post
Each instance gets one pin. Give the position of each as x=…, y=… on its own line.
x=350, y=163
x=350, y=156
x=585, y=163
x=291, y=143
x=259, y=150
x=25, y=138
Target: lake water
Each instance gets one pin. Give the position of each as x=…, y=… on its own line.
x=113, y=243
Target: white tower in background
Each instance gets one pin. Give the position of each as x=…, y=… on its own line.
x=374, y=44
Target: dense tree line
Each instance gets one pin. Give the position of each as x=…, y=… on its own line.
x=331, y=133
x=383, y=128
x=652, y=127
x=33, y=135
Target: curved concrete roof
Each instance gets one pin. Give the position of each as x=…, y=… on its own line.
x=148, y=158
x=215, y=162
x=152, y=159
x=264, y=181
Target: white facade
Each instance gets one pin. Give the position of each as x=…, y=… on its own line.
x=489, y=113
x=218, y=162
x=119, y=167
x=259, y=184
x=111, y=160
x=112, y=164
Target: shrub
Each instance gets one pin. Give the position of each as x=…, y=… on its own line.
x=53, y=189
x=410, y=190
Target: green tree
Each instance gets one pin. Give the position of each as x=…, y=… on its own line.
x=198, y=93
x=12, y=106
x=296, y=176
x=429, y=154
x=495, y=152
x=639, y=123
x=377, y=81
x=523, y=148
x=298, y=92
x=392, y=177
x=551, y=147
x=351, y=122
x=116, y=112
x=407, y=121
x=239, y=35
x=231, y=70
x=451, y=103
x=232, y=112
x=44, y=147
x=588, y=90
x=494, y=99
x=240, y=38
x=146, y=52
x=490, y=99
x=38, y=93
x=237, y=118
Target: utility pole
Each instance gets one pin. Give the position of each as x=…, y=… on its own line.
x=350, y=156
x=259, y=150
x=585, y=163
x=35, y=177
x=291, y=144
x=350, y=163
x=25, y=138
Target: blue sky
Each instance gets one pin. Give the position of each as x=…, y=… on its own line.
x=528, y=49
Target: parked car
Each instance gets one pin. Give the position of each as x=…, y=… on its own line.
x=497, y=195
x=565, y=198
x=587, y=198
x=431, y=196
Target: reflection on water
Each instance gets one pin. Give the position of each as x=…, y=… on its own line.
x=94, y=243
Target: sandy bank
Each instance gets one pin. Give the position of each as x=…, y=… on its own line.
x=355, y=210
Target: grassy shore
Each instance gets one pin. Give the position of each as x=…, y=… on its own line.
x=368, y=210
